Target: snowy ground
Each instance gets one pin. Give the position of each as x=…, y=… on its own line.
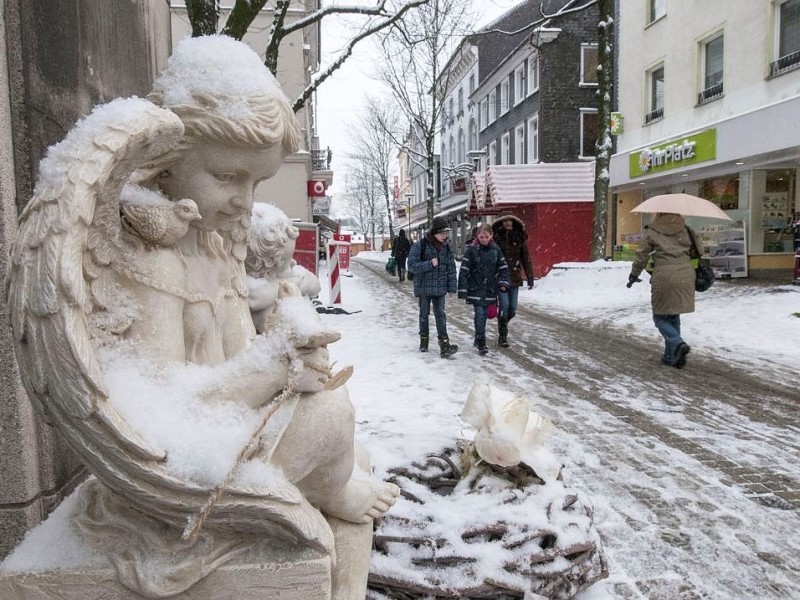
x=671, y=526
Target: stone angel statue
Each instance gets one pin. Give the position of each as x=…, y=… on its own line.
x=134, y=336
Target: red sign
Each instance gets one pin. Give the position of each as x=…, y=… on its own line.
x=316, y=188
x=343, y=249
x=307, y=246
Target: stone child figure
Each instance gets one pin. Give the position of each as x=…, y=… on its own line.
x=83, y=287
x=271, y=270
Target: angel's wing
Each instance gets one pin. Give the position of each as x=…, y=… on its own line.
x=68, y=233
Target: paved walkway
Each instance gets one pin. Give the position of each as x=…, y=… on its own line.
x=695, y=474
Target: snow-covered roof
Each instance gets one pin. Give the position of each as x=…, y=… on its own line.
x=541, y=182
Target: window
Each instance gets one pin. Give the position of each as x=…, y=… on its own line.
x=450, y=113
x=533, y=73
x=505, y=149
x=533, y=139
x=484, y=160
x=657, y=9
x=452, y=152
x=443, y=154
x=472, y=134
x=460, y=101
x=504, y=105
x=711, y=66
x=460, y=149
x=519, y=84
x=588, y=64
x=589, y=123
x=492, y=106
x=655, y=95
x=471, y=83
x=519, y=145
x=491, y=159
x=483, y=113
x=787, y=33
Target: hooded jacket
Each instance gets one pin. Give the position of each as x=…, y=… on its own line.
x=483, y=271
x=669, y=240
x=514, y=244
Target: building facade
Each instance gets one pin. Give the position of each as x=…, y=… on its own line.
x=298, y=59
x=710, y=98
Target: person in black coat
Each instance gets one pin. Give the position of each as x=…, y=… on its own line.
x=483, y=272
x=400, y=249
x=510, y=235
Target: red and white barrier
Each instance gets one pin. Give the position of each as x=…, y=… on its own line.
x=334, y=281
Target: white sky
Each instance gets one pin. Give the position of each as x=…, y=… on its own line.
x=407, y=404
x=340, y=98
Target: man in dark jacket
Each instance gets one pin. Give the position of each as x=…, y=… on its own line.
x=434, y=267
x=400, y=248
x=509, y=234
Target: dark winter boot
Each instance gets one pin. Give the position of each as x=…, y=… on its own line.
x=447, y=349
x=502, y=330
x=423, y=343
x=402, y=273
x=481, y=344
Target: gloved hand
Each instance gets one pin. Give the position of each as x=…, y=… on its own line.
x=530, y=283
x=503, y=288
x=631, y=280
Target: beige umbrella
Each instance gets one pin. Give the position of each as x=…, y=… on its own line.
x=682, y=204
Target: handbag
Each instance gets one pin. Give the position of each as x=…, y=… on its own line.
x=491, y=311
x=391, y=266
x=703, y=273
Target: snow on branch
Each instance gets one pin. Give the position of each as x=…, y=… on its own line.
x=567, y=9
x=348, y=50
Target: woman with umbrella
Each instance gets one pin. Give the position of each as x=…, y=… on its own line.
x=672, y=245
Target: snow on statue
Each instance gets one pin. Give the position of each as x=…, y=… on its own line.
x=135, y=339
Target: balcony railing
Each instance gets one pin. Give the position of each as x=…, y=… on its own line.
x=710, y=93
x=785, y=63
x=654, y=115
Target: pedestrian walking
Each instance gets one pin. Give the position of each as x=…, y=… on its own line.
x=672, y=245
x=483, y=272
x=510, y=235
x=434, y=268
x=400, y=248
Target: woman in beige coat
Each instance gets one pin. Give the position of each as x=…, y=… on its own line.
x=673, y=246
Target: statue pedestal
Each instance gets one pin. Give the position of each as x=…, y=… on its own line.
x=53, y=562
x=306, y=579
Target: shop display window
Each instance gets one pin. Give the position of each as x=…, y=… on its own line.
x=773, y=211
x=722, y=191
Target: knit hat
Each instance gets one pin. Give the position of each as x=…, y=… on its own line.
x=439, y=225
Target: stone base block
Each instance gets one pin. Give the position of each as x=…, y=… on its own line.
x=304, y=579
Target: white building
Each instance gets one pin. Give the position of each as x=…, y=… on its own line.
x=298, y=59
x=710, y=97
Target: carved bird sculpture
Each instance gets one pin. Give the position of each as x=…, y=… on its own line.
x=159, y=224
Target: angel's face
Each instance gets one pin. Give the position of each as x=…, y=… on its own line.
x=221, y=179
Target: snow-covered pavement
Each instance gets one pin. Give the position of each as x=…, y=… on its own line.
x=673, y=474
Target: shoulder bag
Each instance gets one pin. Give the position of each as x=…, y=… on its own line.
x=703, y=273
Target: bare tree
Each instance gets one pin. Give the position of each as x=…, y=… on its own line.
x=363, y=195
x=204, y=18
x=415, y=51
x=374, y=142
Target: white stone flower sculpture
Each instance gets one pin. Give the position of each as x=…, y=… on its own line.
x=507, y=430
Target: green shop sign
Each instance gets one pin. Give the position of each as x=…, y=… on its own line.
x=688, y=150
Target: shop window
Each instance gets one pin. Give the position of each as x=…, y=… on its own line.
x=711, y=58
x=787, y=37
x=722, y=191
x=774, y=208
x=589, y=121
x=655, y=94
x=533, y=139
x=656, y=10
x=588, y=64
